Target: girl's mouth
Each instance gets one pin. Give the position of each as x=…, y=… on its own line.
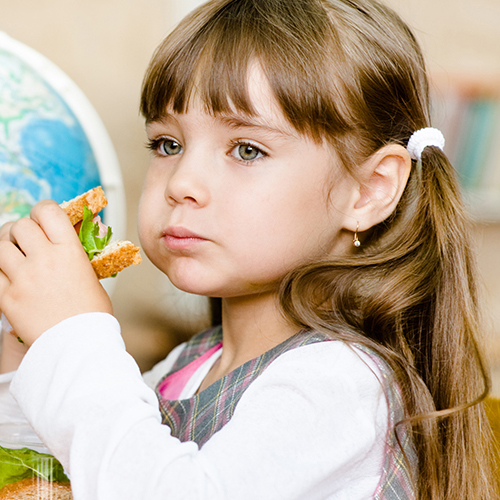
x=180, y=238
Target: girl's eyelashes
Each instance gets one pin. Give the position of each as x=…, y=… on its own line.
x=243, y=151
x=246, y=151
x=164, y=146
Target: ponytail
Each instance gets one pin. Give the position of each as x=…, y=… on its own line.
x=457, y=377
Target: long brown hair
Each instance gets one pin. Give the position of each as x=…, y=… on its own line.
x=351, y=72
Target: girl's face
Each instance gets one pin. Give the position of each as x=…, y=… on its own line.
x=232, y=203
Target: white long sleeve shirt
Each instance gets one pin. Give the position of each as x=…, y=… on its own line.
x=312, y=425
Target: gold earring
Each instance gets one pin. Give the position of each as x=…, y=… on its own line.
x=356, y=241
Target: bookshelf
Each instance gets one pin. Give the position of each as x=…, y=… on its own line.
x=468, y=113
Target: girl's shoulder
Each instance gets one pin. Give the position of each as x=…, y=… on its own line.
x=334, y=359
x=331, y=364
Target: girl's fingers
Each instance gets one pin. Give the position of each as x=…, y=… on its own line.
x=27, y=235
x=48, y=225
x=54, y=222
x=11, y=258
x=5, y=231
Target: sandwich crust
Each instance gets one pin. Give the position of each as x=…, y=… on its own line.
x=114, y=258
x=94, y=199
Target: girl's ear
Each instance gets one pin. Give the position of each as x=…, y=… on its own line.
x=384, y=176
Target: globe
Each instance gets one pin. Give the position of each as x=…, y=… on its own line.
x=53, y=144
x=44, y=151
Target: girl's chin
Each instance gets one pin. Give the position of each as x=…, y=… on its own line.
x=192, y=285
x=205, y=288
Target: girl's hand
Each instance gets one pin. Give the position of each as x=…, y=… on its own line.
x=45, y=275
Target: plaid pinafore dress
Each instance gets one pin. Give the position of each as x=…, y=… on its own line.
x=201, y=416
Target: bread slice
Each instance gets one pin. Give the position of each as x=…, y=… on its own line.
x=36, y=489
x=117, y=255
x=115, y=258
x=94, y=199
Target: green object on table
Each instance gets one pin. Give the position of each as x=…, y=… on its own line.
x=24, y=463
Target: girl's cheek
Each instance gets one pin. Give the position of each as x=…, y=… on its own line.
x=142, y=219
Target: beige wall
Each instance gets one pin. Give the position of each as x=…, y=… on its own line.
x=105, y=46
x=458, y=36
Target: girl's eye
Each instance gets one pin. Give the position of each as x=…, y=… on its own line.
x=247, y=152
x=165, y=147
x=169, y=147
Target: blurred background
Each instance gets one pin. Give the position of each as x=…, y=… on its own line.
x=104, y=46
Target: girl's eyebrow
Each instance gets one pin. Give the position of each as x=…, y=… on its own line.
x=164, y=119
x=238, y=121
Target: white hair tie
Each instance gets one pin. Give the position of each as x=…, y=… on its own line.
x=423, y=138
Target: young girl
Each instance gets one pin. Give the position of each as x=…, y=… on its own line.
x=294, y=177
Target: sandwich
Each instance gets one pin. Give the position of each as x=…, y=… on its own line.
x=107, y=258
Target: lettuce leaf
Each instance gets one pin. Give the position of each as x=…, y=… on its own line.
x=23, y=463
x=89, y=231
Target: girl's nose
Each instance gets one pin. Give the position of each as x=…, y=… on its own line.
x=188, y=182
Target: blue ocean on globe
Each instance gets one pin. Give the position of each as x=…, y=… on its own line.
x=44, y=151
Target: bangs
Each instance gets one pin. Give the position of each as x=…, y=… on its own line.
x=208, y=57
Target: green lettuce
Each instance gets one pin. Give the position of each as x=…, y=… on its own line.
x=89, y=231
x=23, y=463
